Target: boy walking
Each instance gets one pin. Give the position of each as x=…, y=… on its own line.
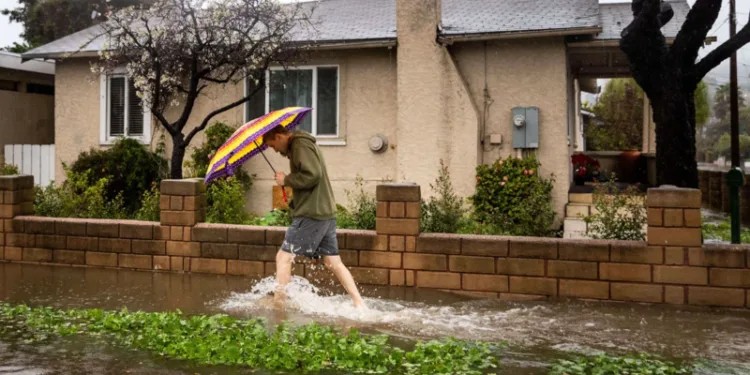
x=313, y=208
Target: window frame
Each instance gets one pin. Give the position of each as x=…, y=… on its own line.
x=326, y=139
x=104, y=110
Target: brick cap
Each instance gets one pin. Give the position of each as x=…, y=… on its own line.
x=16, y=182
x=185, y=187
x=669, y=196
x=398, y=192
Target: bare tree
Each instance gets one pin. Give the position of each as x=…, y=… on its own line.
x=176, y=49
x=669, y=75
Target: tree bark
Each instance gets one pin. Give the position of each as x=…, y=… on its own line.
x=674, y=114
x=178, y=156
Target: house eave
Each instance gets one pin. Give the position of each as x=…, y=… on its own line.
x=476, y=37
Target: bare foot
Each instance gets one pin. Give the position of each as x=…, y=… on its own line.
x=360, y=304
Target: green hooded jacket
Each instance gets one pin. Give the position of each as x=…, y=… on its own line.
x=312, y=195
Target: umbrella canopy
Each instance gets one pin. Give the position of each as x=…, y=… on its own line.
x=247, y=141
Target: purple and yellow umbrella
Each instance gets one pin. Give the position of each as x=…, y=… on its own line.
x=247, y=141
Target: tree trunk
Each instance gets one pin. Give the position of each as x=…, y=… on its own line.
x=178, y=155
x=674, y=114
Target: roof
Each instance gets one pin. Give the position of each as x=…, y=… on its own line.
x=461, y=17
x=355, y=22
x=615, y=17
x=9, y=60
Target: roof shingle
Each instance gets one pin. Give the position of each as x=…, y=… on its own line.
x=617, y=16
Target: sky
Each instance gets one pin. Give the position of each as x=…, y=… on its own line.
x=10, y=32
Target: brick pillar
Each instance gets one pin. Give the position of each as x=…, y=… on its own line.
x=16, y=199
x=16, y=196
x=398, y=215
x=182, y=205
x=674, y=218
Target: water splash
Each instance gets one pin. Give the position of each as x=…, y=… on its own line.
x=465, y=320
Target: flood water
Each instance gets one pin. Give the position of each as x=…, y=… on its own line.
x=538, y=332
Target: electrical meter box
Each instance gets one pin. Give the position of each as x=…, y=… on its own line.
x=526, y=127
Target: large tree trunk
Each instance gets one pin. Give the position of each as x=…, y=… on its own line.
x=674, y=114
x=178, y=155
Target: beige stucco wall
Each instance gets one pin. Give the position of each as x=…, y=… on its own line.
x=77, y=112
x=526, y=72
x=367, y=106
x=26, y=118
x=428, y=105
x=436, y=117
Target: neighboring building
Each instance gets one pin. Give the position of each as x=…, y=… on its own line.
x=436, y=79
x=27, y=104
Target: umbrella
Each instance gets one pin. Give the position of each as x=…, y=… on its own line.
x=247, y=141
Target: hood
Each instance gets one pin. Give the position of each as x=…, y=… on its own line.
x=301, y=134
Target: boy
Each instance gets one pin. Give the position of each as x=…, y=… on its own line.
x=313, y=208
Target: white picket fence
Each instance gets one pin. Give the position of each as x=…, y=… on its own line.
x=35, y=160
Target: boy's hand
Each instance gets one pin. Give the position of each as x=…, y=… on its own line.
x=280, y=178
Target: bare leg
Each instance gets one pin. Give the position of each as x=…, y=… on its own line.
x=283, y=274
x=342, y=273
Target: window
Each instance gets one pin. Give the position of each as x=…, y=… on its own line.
x=122, y=112
x=316, y=87
x=36, y=88
x=6, y=85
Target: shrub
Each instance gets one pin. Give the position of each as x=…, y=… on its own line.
x=226, y=202
x=621, y=214
x=362, y=209
x=275, y=218
x=129, y=168
x=512, y=197
x=443, y=213
x=78, y=198
x=8, y=169
x=149, y=210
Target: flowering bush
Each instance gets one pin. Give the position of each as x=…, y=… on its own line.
x=512, y=197
x=583, y=164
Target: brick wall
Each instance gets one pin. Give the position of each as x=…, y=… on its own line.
x=672, y=267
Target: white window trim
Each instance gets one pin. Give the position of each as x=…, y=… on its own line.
x=326, y=139
x=104, y=137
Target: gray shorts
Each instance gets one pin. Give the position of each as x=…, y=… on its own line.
x=311, y=238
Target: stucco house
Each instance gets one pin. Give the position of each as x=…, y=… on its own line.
x=398, y=85
x=27, y=104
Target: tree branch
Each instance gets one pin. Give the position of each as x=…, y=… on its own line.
x=721, y=53
x=693, y=32
x=225, y=108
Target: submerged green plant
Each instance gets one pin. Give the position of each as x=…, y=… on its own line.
x=223, y=340
x=610, y=365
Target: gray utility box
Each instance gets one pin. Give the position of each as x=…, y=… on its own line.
x=525, y=127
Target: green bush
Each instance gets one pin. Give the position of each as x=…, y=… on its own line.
x=512, y=197
x=621, y=214
x=361, y=210
x=149, y=210
x=275, y=218
x=129, y=168
x=443, y=213
x=8, y=169
x=78, y=198
x=226, y=202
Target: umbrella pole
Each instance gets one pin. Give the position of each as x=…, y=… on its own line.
x=283, y=191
